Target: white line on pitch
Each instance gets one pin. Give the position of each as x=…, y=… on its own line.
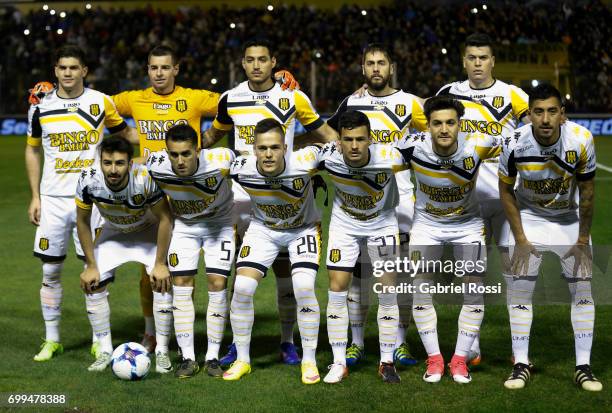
x=604, y=167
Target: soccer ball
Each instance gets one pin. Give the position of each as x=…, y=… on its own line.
x=130, y=361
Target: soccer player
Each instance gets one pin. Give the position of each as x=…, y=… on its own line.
x=446, y=168
x=284, y=216
x=391, y=113
x=363, y=212
x=551, y=158
x=241, y=108
x=68, y=124
x=137, y=227
x=492, y=107
x=196, y=184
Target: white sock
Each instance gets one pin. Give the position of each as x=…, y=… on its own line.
x=404, y=302
x=242, y=315
x=521, y=316
x=287, y=311
x=162, y=311
x=51, y=299
x=216, y=314
x=184, y=317
x=337, y=324
x=583, y=320
x=469, y=322
x=387, y=318
x=98, y=312
x=425, y=319
x=309, y=314
x=357, y=312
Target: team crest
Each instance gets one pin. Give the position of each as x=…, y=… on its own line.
x=138, y=199
x=498, y=102
x=400, y=110
x=571, y=156
x=43, y=244
x=334, y=255
x=381, y=178
x=94, y=109
x=283, y=103
x=468, y=163
x=245, y=251
x=211, y=181
x=298, y=184
x=181, y=105
x=173, y=259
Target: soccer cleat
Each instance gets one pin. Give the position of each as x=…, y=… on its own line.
x=237, y=370
x=336, y=373
x=310, y=373
x=230, y=357
x=163, y=364
x=95, y=350
x=459, y=370
x=47, y=350
x=289, y=354
x=402, y=356
x=474, y=358
x=149, y=342
x=531, y=366
x=213, y=368
x=388, y=373
x=354, y=354
x=584, y=378
x=519, y=377
x=101, y=362
x=188, y=368
x=435, y=369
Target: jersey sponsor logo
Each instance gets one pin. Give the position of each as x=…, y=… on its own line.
x=211, y=181
x=94, y=109
x=381, y=178
x=75, y=165
x=298, y=184
x=173, y=259
x=498, y=102
x=283, y=103
x=335, y=255
x=138, y=199
x=43, y=244
x=74, y=141
x=181, y=105
x=245, y=251
x=385, y=135
x=482, y=126
x=162, y=106
x=571, y=156
x=156, y=129
x=246, y=132
x=548, y=186
x=400, y=110
x=468, y=163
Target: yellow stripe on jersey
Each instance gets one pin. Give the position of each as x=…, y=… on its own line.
x=443, y=174
x=66, y=118
x=274, y=194
x=221, y=126
x=419, y=121
x=541, y=167
x=519, y=104
x=120, y=207
x=306, y=113
x=184, y=188
x=381, y=116
x=32, y=141
x=111, y=116
x=486, y=152
x=82, y=204
x=485, y=113
x=251, y=110
x=506, y=179
x=356, y=183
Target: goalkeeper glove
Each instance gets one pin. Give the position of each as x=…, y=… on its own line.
x=39, y=91
x=286, y=79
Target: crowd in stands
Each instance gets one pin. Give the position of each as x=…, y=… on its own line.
x=117, y=42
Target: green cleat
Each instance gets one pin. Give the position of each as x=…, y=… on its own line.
x=354, y=354
x=402, y=356
x=95, y=350
x=47, y=350
x=101, y=363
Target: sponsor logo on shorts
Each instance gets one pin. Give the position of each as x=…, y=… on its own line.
x=94, y=109
x=245, y=251
x=43, y=244
x=181, y=105
x=173, y=259
x=335, y=255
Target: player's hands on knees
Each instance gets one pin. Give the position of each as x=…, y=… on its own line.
x=90, y=279
x=160, y=278
x=286, y=80
x=519, y=264
x=34, y=211
x=583, y=259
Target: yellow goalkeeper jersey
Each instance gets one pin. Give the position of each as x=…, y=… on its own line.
x=154, y=114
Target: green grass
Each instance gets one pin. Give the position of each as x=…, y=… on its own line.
x=272, y=385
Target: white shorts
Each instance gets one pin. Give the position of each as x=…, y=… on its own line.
x=405, y=215
x=261, y=245
x=242, y=208
x=57, y=223
x=469, y=246
x=217, y=241
x=556, y=237
x=494, y=217
x=343, y=248
x=114, y=248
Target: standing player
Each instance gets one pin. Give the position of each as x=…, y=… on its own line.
x=196, y=184
x=492, y=107
x=446, y=212
x=137, y=227
x=284, y=217
x=550, y=157
x=391, y=113
x=241, y=108
x=363, y=212
x=68, y=124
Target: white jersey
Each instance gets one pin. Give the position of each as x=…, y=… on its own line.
x=285, y=201
x=494, y=111
x=445, y=185
x=242, y=108
x=69, y=131
x=204, y=196
x=365, y=198
x=127, y=210
x=547, y=174
x=390, y=118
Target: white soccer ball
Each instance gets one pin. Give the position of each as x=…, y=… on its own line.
x=130, y=361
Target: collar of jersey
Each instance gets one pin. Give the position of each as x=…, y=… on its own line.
x=483, y=88
x=275, y=176
x=76, y=97
x=163, y=94
x=262, y=91
x=384, y=96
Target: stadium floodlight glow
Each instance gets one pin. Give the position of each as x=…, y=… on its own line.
x=567, y=97
x=364, y=12
x=270, y=7
x=444, y=51
x=63, y=14
x=534, y=83
x=213, y=81
x=474, y=10
x=47, y=28
x=232, y=25
x=52, y=12
x=60, y=31
x=318, y=55
x=45, y=7
x=88, y=6
x=26, y=32
x=484, y=6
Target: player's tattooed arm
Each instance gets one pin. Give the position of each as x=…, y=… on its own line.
x=160, y=276
x=33, y=168
x=90, y=277
x=211, y=136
